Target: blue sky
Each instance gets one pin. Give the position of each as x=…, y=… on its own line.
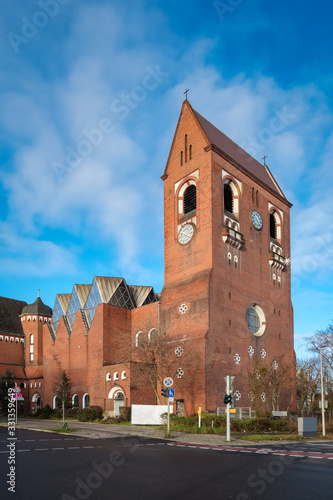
x=115, y=72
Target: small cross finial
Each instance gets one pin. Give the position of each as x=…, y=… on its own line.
x=264, y=158
x=187, y=90
x=38, y=292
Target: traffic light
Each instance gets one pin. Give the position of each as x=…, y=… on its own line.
x=227, y=399
x=233, y=401
x=164, y=393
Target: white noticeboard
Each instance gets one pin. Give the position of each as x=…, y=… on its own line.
x=148, y=414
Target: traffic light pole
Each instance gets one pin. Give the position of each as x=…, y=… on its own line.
x=228, y=408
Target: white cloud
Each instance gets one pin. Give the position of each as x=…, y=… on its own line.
x=114, y=188
x=27, y=257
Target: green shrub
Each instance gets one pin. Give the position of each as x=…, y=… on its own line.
x=45, y=412
x=89, y=414
x=125, y=413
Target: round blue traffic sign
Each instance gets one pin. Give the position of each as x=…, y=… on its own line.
x=171, y=392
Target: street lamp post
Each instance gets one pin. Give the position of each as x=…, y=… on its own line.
x=322, y=390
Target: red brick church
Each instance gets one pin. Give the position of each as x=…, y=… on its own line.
x=226, y=289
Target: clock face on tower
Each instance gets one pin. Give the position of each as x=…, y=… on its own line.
x=256, y=219
x=185, y=234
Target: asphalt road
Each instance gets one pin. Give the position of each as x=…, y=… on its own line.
x=50, y=466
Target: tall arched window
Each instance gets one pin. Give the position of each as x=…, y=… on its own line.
x=139, y=339
x=75, y=401
x=86, y=401
x=190, y=199
x=228, y=199
x=55, y=402
x=272, y=225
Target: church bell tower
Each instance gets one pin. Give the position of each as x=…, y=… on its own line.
x=227, y=273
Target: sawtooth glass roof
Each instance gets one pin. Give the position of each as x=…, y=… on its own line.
x=80, y=294
x=86, y=298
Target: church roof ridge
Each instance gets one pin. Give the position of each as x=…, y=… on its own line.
x=236, y=153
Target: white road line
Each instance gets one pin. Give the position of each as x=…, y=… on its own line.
x=41, y=449
x=245, y=451
x=57, y=448
x=313, y=457
x=28, y=440
x=73, y=447
x=88, y=446
x=43, y=440
x=22, y=450
x=299, y=456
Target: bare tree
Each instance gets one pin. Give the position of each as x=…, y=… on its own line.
x=320, y=338
x=307, y=384
x=266, y=381
x=62, y=389
x=7, y=381
x=164, y=356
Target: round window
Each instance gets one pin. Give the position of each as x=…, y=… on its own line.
x=255, y=320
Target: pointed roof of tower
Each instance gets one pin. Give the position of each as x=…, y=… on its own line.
x=38, y=307
x=233, y=153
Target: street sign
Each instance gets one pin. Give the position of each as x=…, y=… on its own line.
x=171, y=400
x=171, y=392
x=232, y=410
x=168, y=382
x=229, y=380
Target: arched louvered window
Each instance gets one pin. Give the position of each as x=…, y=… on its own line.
x=272, y=226
x=228, y=199
x=190, y=199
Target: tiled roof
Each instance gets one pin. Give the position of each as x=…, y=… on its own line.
x=38, y=307
x=236, y=153
x=10, y=310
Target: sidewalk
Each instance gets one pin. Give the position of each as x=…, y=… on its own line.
x=104, y=431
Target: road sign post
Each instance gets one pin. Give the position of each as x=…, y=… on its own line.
x=228, y=389
x=168, y=382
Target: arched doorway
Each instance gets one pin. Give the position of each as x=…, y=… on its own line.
x=118, y=402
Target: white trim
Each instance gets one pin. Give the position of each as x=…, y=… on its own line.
x=83, y=402
x=193, y=174
x=114, y=391
x=226, y=174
